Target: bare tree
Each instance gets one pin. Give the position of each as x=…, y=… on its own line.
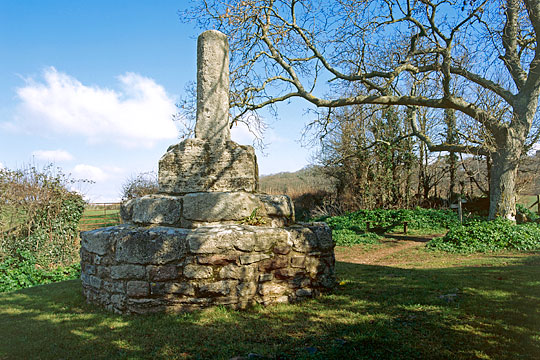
x=386, y=50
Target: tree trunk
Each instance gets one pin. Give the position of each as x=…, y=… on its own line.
x=451, y=138
x=504, y=165
x=452, y=168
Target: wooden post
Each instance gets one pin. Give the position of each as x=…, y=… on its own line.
x=405, y=227
x=460, y=211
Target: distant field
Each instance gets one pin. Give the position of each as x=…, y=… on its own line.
x=100, y=215
x=8, y=218
x=528, y=200
x=94, y=216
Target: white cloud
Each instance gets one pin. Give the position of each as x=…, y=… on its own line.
x=52, y=155
x=535, y=148
x=89, y=172
x=115, y=170
x=241, y=134
x=139, y=114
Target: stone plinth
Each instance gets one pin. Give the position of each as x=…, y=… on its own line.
x=194, y=165
x=203, y=209
x=131, y=269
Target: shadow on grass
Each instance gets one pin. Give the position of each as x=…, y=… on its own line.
x=376, y=312
x=415, y=238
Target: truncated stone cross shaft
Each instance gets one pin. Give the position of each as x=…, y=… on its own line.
x=211, y=162
x=212, y=87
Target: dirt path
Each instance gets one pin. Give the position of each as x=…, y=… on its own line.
x=383, y=255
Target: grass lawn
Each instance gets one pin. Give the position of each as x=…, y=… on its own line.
x=394, y=301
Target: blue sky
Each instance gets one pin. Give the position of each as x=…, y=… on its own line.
x=91, y=87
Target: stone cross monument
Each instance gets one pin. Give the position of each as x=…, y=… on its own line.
x=207, y=237
x=211, y=161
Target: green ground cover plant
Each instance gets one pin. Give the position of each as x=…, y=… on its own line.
x=489, y=236
x=348, y=237
x=429, y=305
x=352, y=228
x=476, y=234
x=22, y=271
x=389, y=220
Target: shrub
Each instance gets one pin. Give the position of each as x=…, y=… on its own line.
x=489, y=236
x=145, y=183
x=39, y=215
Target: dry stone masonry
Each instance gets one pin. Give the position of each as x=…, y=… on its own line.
x=207, y=238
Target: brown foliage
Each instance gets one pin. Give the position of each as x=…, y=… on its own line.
x=145, y=183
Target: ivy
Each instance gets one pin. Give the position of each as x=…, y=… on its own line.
x=391, y=220
x=489, y=236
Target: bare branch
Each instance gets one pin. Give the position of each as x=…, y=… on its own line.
x=509, y=42
x=488, y=84
x=468, y=149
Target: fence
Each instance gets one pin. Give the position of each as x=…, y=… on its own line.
x=537, y=203
x=97, y=215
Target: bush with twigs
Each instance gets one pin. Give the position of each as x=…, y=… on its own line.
x=145, y=183
x=39, y=216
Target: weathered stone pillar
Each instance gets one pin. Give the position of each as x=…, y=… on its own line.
x=211, y=162
x=212, y=87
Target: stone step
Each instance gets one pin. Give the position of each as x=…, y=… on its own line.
x=207, y=208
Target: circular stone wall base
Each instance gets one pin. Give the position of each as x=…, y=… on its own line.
x=131, y=269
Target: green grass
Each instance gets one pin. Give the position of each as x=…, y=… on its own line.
x=97, y=217
x=377, y=312
x=527, y=201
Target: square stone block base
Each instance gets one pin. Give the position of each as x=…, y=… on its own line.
x=195, y=165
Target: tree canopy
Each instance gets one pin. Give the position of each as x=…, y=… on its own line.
x=478, y=58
